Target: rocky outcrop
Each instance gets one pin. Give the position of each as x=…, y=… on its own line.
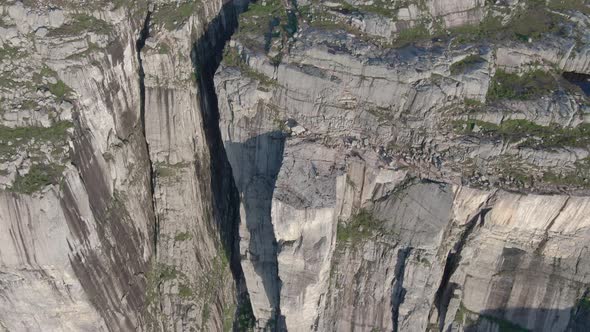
x=386, y=183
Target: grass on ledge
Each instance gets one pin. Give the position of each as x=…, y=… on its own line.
x=533, y=135
x=529, y=85
x=231, y=58
x=584, y=303
x=172, y=15
x=569, y=5
x=182, y=236
x=466, y=64
x=416, y=33
x=579, y=177
x=38, y=177
x=360, y=227
x=14, y=139
x=81, y=23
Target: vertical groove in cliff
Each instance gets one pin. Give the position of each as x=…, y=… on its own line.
x=446, y=288
x=399, y=292
x=140, y=43
x=206, y=56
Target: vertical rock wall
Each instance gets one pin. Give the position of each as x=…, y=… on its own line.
x=129, y=235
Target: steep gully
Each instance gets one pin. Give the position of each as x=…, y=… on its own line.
x=139, y=45
x=206, y=57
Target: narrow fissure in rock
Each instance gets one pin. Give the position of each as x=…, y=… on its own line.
x=446, y=288
x=399, y=292
x=143, y=36
x=206, y=57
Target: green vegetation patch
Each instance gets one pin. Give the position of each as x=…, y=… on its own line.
x=8, y=52
x=164, y=48
x=7, y=81
x=92, y=48
x=515, y=170
x=584, y=303
x=361, y=226
x=228, y=318
x=208, y=284
x=44, y=72
x=416, y=33
x=529, y=85
x=165, y=170
x=246, y=320
x=46, y=168
x=504, y=325
x=167, y=272
x=38, y=177
x=14, y=139
x=472, y=103
x=268, y=26
x=172, y=15
x=82, y=23
x=182, y=236
x=260, y=18
x=568, y=5
x=185, y=291
x=534, y=135
x=378, y=7
x=60, y=90
x=158, y=274
x=463, y=315
x=231, y=58
x=579, y=177
x=466, y=64
x=532, y=21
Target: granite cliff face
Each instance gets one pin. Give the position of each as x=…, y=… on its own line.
x=109, y=216
x=411, y=166
x=335, y=166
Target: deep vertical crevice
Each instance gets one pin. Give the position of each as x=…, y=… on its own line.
x=206, y=56
x=256, y=188
x=399, y=292
x=446, y=288
x=139, y=45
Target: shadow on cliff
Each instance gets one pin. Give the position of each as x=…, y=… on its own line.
x=206, y=56
x=257, y=163
x=507, y=318
x=576, y=319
